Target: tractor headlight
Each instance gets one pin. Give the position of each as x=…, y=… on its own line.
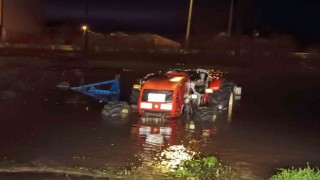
x=166, y=106
x=209, y=90
x=146, y=105
x=143, y=130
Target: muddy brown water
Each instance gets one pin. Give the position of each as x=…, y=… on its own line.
x=275, y=126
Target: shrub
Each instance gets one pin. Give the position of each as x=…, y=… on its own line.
x=205, y=168
x=307, y=173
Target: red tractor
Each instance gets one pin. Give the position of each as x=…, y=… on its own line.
x=197, y=91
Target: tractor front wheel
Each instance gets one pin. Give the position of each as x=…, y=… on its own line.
x=116, y=109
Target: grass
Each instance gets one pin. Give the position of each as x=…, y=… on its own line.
x=307, y=173
x=206, y=168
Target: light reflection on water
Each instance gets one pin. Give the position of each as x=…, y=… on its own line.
x=200, y=137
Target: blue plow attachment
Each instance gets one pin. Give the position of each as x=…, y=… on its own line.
x=104, y=95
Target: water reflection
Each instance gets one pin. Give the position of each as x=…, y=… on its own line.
x=155, y=133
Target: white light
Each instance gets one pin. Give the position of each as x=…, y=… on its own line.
x=191, y=126
x=194, y=96
x=154, y=139
x=144, y=130
x=176, y=79
x=209, y=90
x=166, y=106
x=153, y=97
x=237, y=90
x=146, y=105
x=173, y=156
x=165, y=130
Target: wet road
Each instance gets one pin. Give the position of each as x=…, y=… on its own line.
x=275, y=126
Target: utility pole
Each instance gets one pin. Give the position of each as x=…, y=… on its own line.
x=85, y=36
x=86, y=13
x=189, y=24
x=230, y=18
x=86, y=39
x=85, y=29
x=1, y=19
x=239, y=18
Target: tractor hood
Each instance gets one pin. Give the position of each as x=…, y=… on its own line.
x=164, y=82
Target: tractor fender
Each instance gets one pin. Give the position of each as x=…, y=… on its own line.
x=215, y=84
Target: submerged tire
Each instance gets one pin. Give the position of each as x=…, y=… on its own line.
x=204, y=114
x=134, y=96
x=220, y=99
x=116, y=109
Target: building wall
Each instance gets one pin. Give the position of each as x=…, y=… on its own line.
x=23, y=20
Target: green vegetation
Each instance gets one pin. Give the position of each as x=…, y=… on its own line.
x=307, y=173
x=205, y=168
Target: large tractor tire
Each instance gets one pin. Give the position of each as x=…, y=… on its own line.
x=134, y=96
x=116, y=109
x=221, y=99
x=134, y=99
x=204, y=114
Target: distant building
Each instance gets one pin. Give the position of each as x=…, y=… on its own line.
x=120, y=40
x=21, y=20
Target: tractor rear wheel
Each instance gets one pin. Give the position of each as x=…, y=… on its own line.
x=221, y=99
x=116, y=109
x=204, y=114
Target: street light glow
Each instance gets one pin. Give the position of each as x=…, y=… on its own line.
x=84, y=27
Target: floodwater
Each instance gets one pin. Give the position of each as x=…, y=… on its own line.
x=275, y=126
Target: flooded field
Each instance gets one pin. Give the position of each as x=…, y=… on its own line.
x=275, y=126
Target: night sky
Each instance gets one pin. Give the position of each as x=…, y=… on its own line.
x=300, y=17
x=168, y=17
x=165, y=16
